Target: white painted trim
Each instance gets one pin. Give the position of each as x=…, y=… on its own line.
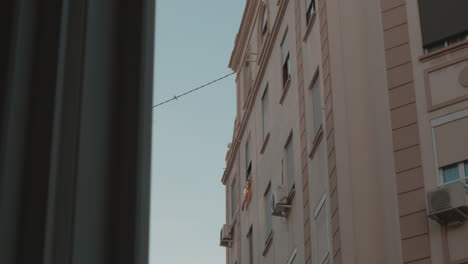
x=449, y=118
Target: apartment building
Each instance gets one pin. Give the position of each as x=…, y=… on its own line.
x=351, y=138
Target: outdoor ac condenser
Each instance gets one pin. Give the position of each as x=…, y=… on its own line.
x=226, y=236
x=280, y=204
x=448, y=205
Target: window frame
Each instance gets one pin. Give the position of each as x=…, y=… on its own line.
x=322, y=205
x=285, y=59
x=246, y=79
x=234, y=203
x=310, y=10
x=438, y=122
x=290, y=161
x=268, y=213
x=265, y=112
x=292, y=257
x=462, y=173
x=316, y=105
x=250, y=244
x=264, y=20
x=248, y=158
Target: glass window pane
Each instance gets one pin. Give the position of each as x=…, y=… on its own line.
x=322, y=235
x=265, y=113
x=233, y=199
x=466, y=170
x=268, y=215
x=251, y=256
x=247, y=154
x=290, y=164
x=284, y=47
x=316, y=106
x=450, y=173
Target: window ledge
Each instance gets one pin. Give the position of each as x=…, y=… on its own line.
x=444, y=51
x=265, y=143
x=268, y=243
x=316, y=142
x=309, y=26
x=285, y=90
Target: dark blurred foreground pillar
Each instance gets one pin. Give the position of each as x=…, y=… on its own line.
x=75, y=130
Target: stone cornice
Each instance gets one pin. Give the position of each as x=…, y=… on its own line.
x=268, y=49
x=243, y=36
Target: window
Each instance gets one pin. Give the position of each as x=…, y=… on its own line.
x=247, y=77
x=290, y=169
x=445, y=42
x=442, y=23
x=233, y=199
x=455, y=172
x=316, y=105
x=286, y=59
x=265, y=112
x=268, y=214
x=321, y=231
x=251, y=249
x=292, y=258
x=248, y=161
x=310, y=5
x=264, y=19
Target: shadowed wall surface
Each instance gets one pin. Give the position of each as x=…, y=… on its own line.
x=75, y=117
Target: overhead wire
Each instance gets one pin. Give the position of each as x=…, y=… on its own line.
x=176, y=97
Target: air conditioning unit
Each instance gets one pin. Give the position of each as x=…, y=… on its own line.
x=226, y=236
x=448, y=205
x=280, y=204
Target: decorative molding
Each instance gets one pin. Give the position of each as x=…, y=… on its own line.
x=444, y=51
x=256, y=86
x=310, y=25
x=430, y=106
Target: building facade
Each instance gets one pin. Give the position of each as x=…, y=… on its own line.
x=352, y=119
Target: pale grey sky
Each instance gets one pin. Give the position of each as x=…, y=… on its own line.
x=194, y=40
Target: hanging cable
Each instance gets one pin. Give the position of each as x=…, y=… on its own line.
x=176, y=97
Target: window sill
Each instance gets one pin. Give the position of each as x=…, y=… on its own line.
x=268, y=243
x=265, y=143
x=444, y=51
x=316, y=142
x=285, y=91
x=309, y=26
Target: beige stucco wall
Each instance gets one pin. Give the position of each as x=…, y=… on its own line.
x=445, y=79
x=379, y=80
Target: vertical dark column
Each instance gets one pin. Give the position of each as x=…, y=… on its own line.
x=76, y=113
x=6, y=23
